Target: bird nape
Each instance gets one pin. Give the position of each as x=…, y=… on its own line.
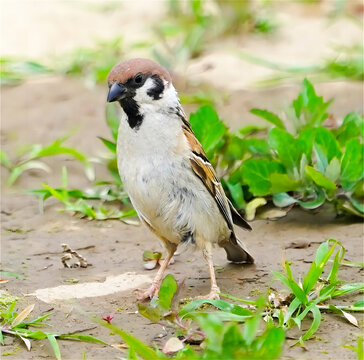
x=169, y=180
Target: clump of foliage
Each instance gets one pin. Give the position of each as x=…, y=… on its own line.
x=92, y=63
x=14, y=71
x=32, y=156
x=345, y=63
x=16, y=324
x=308, y=165
x=191, y=25
x=236, y=331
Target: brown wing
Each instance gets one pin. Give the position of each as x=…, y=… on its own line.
x=204, y=170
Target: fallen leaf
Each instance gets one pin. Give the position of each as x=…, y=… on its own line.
x=172, y=345
x=27, y=343
x=251, y=207
x=120, y=346
x=21, y=316
x=272, y=214
x=150, y=265
x=351, y=318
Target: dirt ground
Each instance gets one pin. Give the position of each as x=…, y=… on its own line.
x=31, y=241
x=42, y=110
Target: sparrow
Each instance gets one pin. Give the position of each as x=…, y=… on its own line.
x=165, y=171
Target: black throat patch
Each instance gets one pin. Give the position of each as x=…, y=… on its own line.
x=129, y=104
x=131, y=109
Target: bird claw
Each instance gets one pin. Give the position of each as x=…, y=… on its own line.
x=213, y=295
x=150, y=293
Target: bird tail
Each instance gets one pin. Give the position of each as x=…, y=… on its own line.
x=237, y=252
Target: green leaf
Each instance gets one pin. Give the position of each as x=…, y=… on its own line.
x=352, y=167
x=315, y=323
x=54, y=345
x=328, y=143
x=267, y=115
x=251, y=328
x=352, y=127
x=256, y=174
x=112, y=119
x=310, y=109
x=109, y=144
x=257, y=146
x=347, y=288
x=166, y=292
x=4, y=159
x=208, y=128
x=81, y=337
x=232, y=342
x=305, y=142
x=237, y=195
x=30, y=165
x=281, y=183
x=321, y=158
x=286, y=146
x=283, y=200
x=318, y=200
x=133, y=342
x=320, y=179
x=249, y=129
x=153, y=314
x=220, y=304
x=333, y=170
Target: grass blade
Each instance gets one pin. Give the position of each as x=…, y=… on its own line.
x=53, y=341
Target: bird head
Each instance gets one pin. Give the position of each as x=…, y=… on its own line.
x=140, y=79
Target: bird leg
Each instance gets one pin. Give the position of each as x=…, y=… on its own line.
x=156, y=283
x=213, y=295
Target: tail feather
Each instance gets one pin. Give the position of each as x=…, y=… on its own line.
x=237, y=252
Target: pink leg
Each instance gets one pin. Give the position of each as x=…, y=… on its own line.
x=154, y=288
x=213, y=295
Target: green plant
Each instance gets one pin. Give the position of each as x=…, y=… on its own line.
x=15, y=324
x=191, y=25
x=220, y=331
x=310, y=295
x=14, y=71
x=77, y=201
x=308, y=166
x=93, y=64
x=234, y=331
x=345, y=63
x=32, y=155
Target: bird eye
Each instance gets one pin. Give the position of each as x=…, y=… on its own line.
x=138, y=78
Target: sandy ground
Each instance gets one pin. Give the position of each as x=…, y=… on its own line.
x=42, y=110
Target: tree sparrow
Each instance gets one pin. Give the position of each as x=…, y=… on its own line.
x=169, y=180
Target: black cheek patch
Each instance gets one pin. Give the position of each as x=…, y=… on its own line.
x=156, y=91
x=131, y=109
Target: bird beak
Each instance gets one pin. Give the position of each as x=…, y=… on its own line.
x=116, y=92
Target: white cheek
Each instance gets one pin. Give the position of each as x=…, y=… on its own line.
x=141, y=96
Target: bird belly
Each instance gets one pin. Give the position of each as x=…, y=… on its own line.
x=173, y=201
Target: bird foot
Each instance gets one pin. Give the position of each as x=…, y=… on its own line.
x=213, y=295
x=150, y=293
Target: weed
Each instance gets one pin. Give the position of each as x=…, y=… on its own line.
x=15, y=324
x=234, y=331
x=308, y=166
x=33, y=155
x=346, y=63
x=191, y=25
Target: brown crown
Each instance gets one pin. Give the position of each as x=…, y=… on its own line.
x=127, y=69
